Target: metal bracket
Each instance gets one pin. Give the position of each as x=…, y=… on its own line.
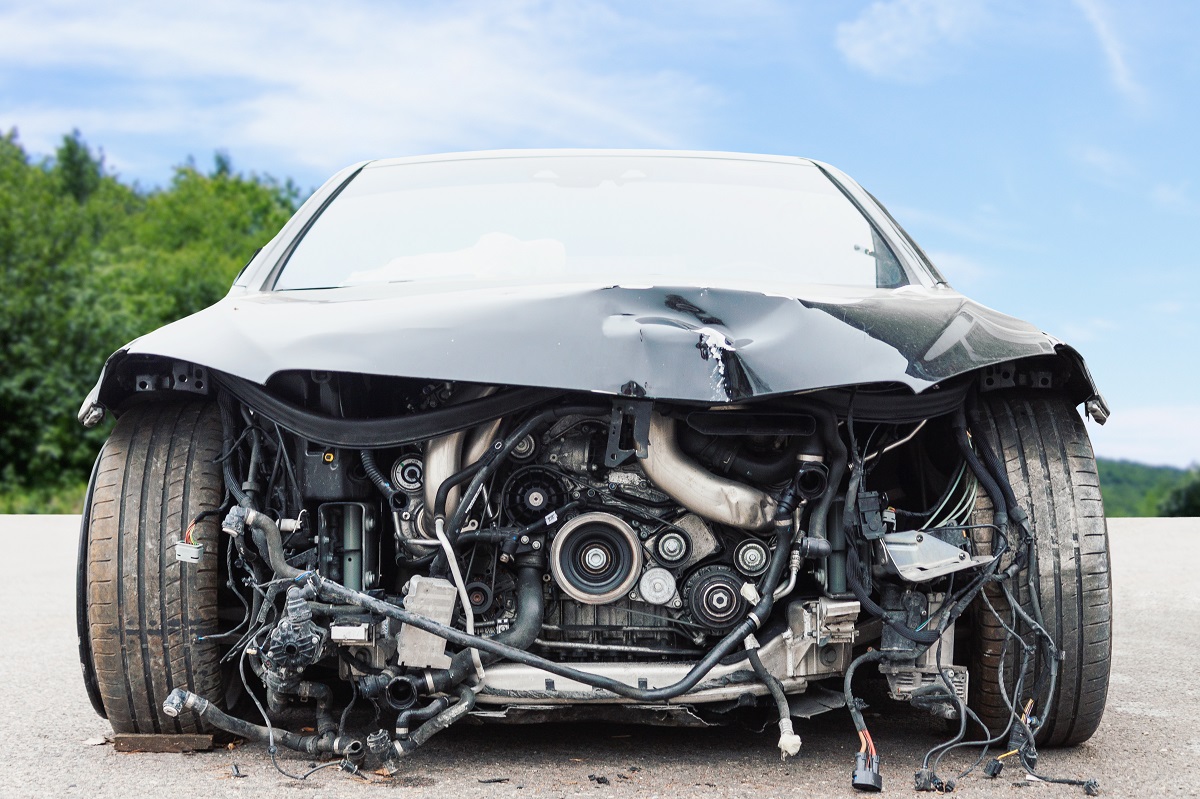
x=1012, y=374
x=628, y=431
x=183, y=376
x=918, y=557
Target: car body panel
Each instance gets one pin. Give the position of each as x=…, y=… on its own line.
x=703, y=343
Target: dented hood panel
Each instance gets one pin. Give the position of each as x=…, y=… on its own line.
x=680, y=343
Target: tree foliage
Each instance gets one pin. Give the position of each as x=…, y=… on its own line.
x=1135, y=489
x=1184, y=499
x=90, y=263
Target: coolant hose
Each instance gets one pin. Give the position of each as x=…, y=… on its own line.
x=308, y=690
x=466, y=701
x=527, y=624
x=832, y=440
x=724, y=454
x=266, y=537
x=406, y=719
x=179, y=700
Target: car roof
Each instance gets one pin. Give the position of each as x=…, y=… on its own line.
x=482, y=155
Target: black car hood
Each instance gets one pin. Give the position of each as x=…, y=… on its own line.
x=709, y=345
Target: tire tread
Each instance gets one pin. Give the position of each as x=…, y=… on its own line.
x=145, y=609
x=1050, y=464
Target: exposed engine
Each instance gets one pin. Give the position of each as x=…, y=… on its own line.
x=554, y=551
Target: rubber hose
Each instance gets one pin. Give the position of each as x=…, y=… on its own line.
x=772, y=683
x=179, y=699
x=990, y=459
x=725, y=456
x=406, y=719
x=372, y=470
x=266, y=537
x=527, y=624
x=817, y=519
x=482, y=469
x=466, y=701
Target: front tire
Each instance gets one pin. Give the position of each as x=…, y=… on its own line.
x=145, y=610
x=1048, y=457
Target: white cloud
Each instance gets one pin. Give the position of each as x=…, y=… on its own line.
x=1174, y=197
x=903, y=39
x=1167, y=435
x=326, y=84
x=1103, y=163
x=1113, y=48
x=1169, y=308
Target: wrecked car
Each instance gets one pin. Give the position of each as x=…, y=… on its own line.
x=625, y=435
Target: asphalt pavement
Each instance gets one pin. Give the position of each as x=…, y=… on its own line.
x=52, y=743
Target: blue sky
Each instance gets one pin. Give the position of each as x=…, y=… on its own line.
x=1043, y=151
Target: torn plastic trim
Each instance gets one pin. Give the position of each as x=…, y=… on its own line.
x=1095, y=405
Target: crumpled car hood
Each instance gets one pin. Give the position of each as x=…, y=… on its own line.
x=683, y=343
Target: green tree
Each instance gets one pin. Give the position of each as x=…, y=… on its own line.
x=90, y=263
x=1184, y=499
x=1135, y=489
x=78, y=171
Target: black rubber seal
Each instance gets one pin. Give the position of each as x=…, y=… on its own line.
x=385, y=432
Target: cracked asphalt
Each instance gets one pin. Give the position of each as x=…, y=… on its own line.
x=1148, y=744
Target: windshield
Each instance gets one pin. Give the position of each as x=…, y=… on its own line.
x=613, y=218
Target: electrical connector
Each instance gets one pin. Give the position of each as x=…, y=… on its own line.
x=866, y=773
x=1018, y=741
x=924, y=780
x=789, y=741
x=993, y=768
x=188, y=553
x=927, y=780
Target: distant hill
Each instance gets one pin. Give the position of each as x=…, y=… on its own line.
x=1134, y=489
